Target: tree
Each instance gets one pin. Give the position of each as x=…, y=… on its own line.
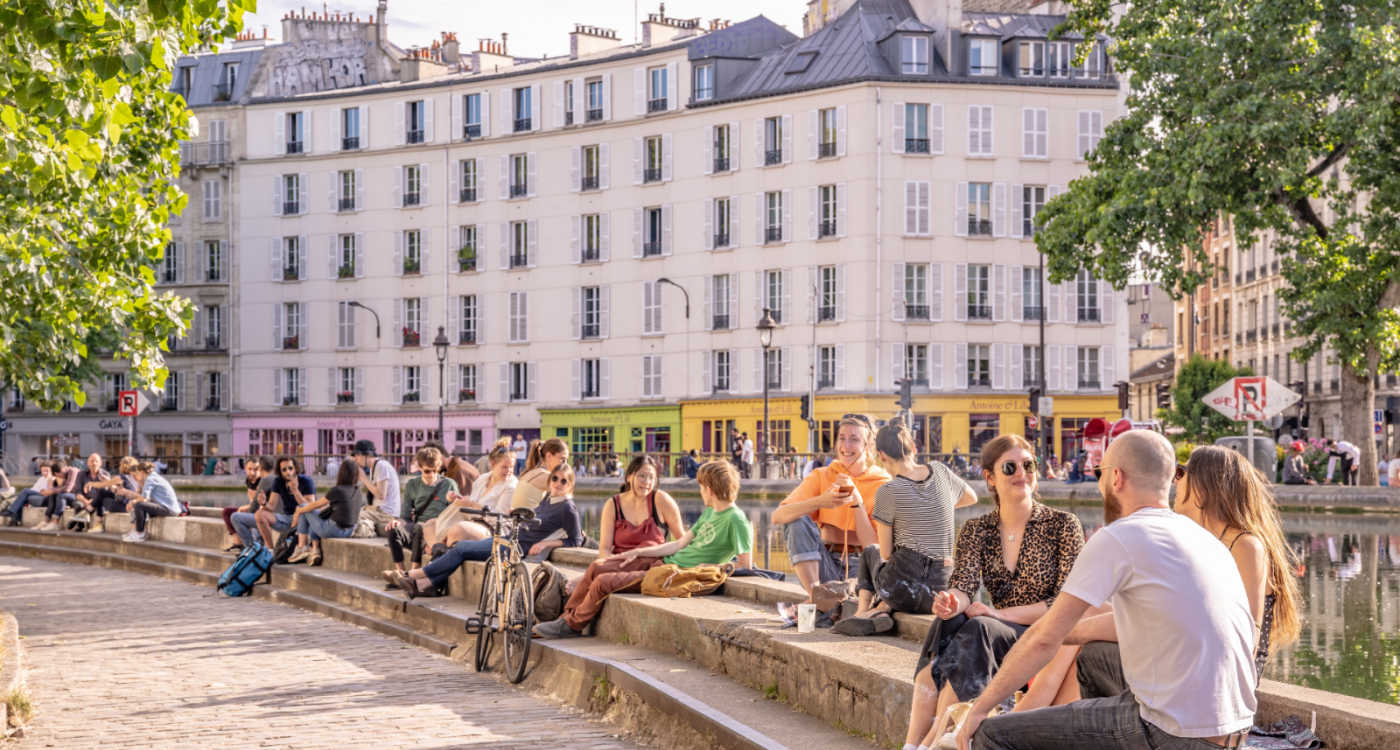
x=1281, y=115
x=88, y=159
x=1198, y=377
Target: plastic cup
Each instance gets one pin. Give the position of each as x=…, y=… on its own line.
x=806, y=618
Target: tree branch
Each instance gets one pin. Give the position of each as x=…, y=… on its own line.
x=1329, y=160
x=1303, y=212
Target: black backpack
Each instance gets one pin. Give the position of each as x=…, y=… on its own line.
x=549, y=587
x=286, y=545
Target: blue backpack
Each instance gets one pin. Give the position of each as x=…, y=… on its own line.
x=250, y=566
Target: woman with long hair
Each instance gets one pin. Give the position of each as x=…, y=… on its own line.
x=640, y=515
x=331, y=517
x=533, y=483
x=490, y=492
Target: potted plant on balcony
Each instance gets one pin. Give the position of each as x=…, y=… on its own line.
x=410, y=265
x=466, y=394
x=291, y=342
x=289, y=400
x=346, y=271
x=289, y=273
x=411, y=397
x=345, y=397
x=410, y=337
x=466, y=258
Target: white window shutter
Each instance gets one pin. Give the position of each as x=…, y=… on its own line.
x=330, y=386
x=787, y=296
x=960, y=292
x=532, y=177
x=530, y=392
x=1053, y=377
x=923, y=227
x=911, y=207
x=605, y=378
x=364, y=130
x=605, y=311
x=999, y=209
x=896, y=361
x=988, y=129
x=811, y=134
x=359, y=189
x=760, y=220
x=1106, y=303
x=935, y=292
x=1042, y=139
x=505, y=245
x=333, y=257
x=398, y=385
x=707, y=155
x=604, y=168
x=897, y=122
x=1106, y=371
x=504, y=371
x=709, y=302
x=604, y=236
x=454, y=319
x=734, y=300
x=841, y=293
x=1071, y=303
x=1027, y=132
x=1082, y=136
x=935, y=366
x=759, y=159
x=532, y=238
x=277, y=195
x=359, y=255
x=277, y=387
x=302, y=180
x=841, y=130
x=302, y=399
x=667, y=243
x=279, y=133
x=707, y=216
x=398, y=322
x=398, y=187
x=733, y=221
x=637, y=160
x=302, y=273
x=607, y=96
x=577, y=106
x=935, y=128
x=841, y=209
x=999, y=367
x=425, y=251
x=576, y=316
x=1013, y=284
x=485, y=99
x=332, y=193
x=735, y=146
x=974, y=123
x=454, y=384
x=536, y=104
x=558, y=104
x=575, y=380
x=639, y=91
x=575, y=172
x=275, y=259
x=1072, y=374
x=1017, y=218
x=575, y=252
x=673, y=81
x=787, y=215
x=425, y=193
x=427, y=120
x=706, y=381
x=897, y=289
x=398, y=253
x=505, y=178
x=787, y=139
x=1016, y=379
x=666, y=157
x=1051, y=305
x=960, y=366
x=998, y=293
x=636, y=233
x=454, y=195
x=455, y=119
x=399, y=124
x=960, y=209
x=760, y=295
x=277, y=324
x=811, y=213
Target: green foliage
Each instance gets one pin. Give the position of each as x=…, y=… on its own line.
x=1203, y=424
x=89, y=137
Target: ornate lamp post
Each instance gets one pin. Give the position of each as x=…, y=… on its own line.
x=765, y=339
x=440, y=344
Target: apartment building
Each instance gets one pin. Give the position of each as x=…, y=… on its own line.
x=597, y=235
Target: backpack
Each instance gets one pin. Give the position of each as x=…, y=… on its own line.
x=286, y=545
x=549, y=587
x=250, y=566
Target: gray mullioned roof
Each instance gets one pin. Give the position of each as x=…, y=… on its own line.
x=749, y=39
x=209, y=71
x=1015, y=26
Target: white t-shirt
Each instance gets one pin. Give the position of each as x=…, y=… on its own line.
x=496, y=499
x=521, y=448
x=1395, y=472
x=392, y=500
x=748, y=450
x=1184, y=628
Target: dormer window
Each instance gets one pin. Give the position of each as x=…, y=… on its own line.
x=1057, y=59
x=982, y=57
x=1093, y=62
x=1030, y=57
x=913, y=55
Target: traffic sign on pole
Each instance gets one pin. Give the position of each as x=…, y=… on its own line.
x=131, y=403
x=1250, y=398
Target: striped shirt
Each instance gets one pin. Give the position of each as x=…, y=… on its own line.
x=921, y=513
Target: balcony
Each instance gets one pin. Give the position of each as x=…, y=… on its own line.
x=411, y=337
x=467, y=195
x=773, y=234
x=979, y=381
x=522, y=124
x=213, y=342
x=1239, y=278
x=412, y=397
x=169, y=403
x=1089, y=385
x=772, y=156
x=519, y=190
x=979, y=227
x=1249, y=275
x=594, y=114
x=826, y=381
x=291, y=343
x=651, y=174
x=213, y=404
x=590, y=255
x=291, y=208
x=827, y=228
x=916, y=312
x=346, y=204
x=519, y=260
x=590, y=331
x=291, y=273
x=979, y=312
x=345, y=397
x=720, y=322
x=467, y=338
x=656, y=105
x=1317, y=386
x=826, y=149
x=1239, y=338
x=293, y=147
x=721, y=163
x=651, y=248
x=350, y=143
x=346, y=271
x=204, y=154
x=1332, y=385
x=720, y=386
x=589, y=182
x=1089, y=315
x=471, y=131
x=411, y=199
x=721, y=239
x=1274, y=267
x=826, y=313
x=213, y=275
x=413, y=136
x=466, y=394
x=568, y=118
x=1032, y=313
x=916, y=145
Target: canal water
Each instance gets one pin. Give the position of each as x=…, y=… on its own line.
x=1350, y=642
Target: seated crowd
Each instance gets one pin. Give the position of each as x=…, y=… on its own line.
x=1132, y=639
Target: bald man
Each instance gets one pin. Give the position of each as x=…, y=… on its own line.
x=1185, y=633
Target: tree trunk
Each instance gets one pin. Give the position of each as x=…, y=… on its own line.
x=1358, y=399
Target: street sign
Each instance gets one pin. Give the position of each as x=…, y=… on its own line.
x=1250, y=399
x=1047, y=406
x=131, y=403
x=5, y=425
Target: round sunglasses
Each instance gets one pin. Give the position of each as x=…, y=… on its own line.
x=1009, y=468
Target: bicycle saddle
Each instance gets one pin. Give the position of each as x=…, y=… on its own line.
x=522, y=515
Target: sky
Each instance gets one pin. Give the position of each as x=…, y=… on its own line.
x=536, y=27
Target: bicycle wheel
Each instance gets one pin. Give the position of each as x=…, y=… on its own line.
x=521, y=621
x=486, y=612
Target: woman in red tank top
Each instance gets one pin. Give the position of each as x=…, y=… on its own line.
x=640, y=515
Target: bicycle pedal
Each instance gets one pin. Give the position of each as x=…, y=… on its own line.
x=474, y=625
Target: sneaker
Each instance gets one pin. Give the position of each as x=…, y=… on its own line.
x=138, y=536
x=7, y=493
x=390, y=579
x=559, y=628
x=129, y=536
x=49, y=525
x=300, y=554
x=96, y=527
x=314, y=558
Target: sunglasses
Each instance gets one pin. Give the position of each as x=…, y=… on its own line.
x=558, y=480
x=1009, y=467
x=1179, y=473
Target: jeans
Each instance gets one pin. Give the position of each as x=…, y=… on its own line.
x=406, y=536
x=804, y=544
x=103, y=501
x=906, y=582
x=1097, y=723
x=55, y=504
x=145, y=510
x=246, y=525
x=25, y=497
x=316, y=527
x=442, y=568
x=1100, y=669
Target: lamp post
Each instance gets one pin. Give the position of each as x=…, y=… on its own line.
x=353, y=303
x=440, y=344
x=765, y=339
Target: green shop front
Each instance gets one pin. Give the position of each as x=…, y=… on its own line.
x=594, y=434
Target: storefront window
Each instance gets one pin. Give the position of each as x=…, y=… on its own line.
x=65, y=445
x=113, y=448
x=1071, y=437
x=928, y=434
x=714, y=435
x=276, y=443
x=984, y=427
x=780, y=433
x=400, y=445
x=591, y=448
x=658, y=439
x=169, y=448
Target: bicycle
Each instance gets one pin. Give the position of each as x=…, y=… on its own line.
x=507, y=603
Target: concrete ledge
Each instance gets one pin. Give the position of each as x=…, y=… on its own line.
x=11, y=665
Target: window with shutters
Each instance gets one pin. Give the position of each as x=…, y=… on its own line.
x=722, y=210
x=466, y=247
x=519, y=373
x=979, y=292
x=345, y=325
x=979, y=365
x=349, y=128
x=591, y=312
x=913, y=55
x=214, y=391
x=466, y=383
x=519, y=244
x=213, y=327
x=1093, y=64
x=773, y=368
x=653, y=232
x=1058, y=57
x=415, y=121
x=568, y=102
x=656, y=89
x=722, y=144
x=1089, y=368
x=826, y=211
x=826, y=366
x=412, y=251
x=827, y=297
x=651, y=307
x=170, y=400
x=916, y=128
x=594, y=89
x=983, y=58
x=591, y=243
x=471, y=116
x=1030, y=367
x=291, y=258
x=1032, y=200
x=518, y=331
x=345, y=385
x=1087, y=297
x=916, y=363
x=519, y=175
x=651, y=376
x=719, y=370
x=826, y=132
x=345, y=256
x=916, y=305
x=291, y=192
x=291, y=325
x=1030, y=58
x=592, y=168
x=591, y=378
x=720, y=302
x=654, y=154
x=772, y=141
x=773, y=293
x=773, y=216
x=1031, y=306
x=979, y=130
x=1090, y=132
x=291, y=386
x=704, y=82
x=345, y=194
x=916, y=208
x=521, y=98
x=213, y=260
x=294, y=124
x=1035, y=133
x=213, y=199
x=467, y=180
x=979, y=209
x=412, y=185
x=412, y=384
x=412, y=321
x=170, y=264
x=467, y=324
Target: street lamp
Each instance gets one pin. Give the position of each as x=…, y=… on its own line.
x=353, y=303
x=664, y=280
x=440, y=344
x=765, y=340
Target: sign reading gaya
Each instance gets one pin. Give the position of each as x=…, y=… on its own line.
x=1250, y=398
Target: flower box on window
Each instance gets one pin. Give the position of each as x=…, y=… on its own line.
x=291, y=342
x=345, y=397
x=289, y=400
x=410, y=337
x=466, y=258
x=346, y=271
x=290, y=273
x=466, y=394
x=410, y=265
x=411, y=397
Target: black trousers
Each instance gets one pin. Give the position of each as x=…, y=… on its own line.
x=407, y=536
x=103, y=502
x=145, y=510
x=966, y=652
x=907, y=582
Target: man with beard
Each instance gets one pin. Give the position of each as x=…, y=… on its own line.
x=1185, y=632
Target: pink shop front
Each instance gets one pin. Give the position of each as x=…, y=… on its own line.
x=319, y=437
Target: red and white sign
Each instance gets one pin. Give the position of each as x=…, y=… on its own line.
x=1251, y=399
x=131, y=403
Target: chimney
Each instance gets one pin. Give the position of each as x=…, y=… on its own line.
x=490, y=56
x=451, y=52
x=587, y=40
x=946, y=17
x=659, y=29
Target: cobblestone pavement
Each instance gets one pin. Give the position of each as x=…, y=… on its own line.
x=123, y=660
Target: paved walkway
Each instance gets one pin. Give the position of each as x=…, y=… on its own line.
x=123, y=660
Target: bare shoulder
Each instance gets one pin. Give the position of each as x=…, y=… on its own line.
x=665, y=498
